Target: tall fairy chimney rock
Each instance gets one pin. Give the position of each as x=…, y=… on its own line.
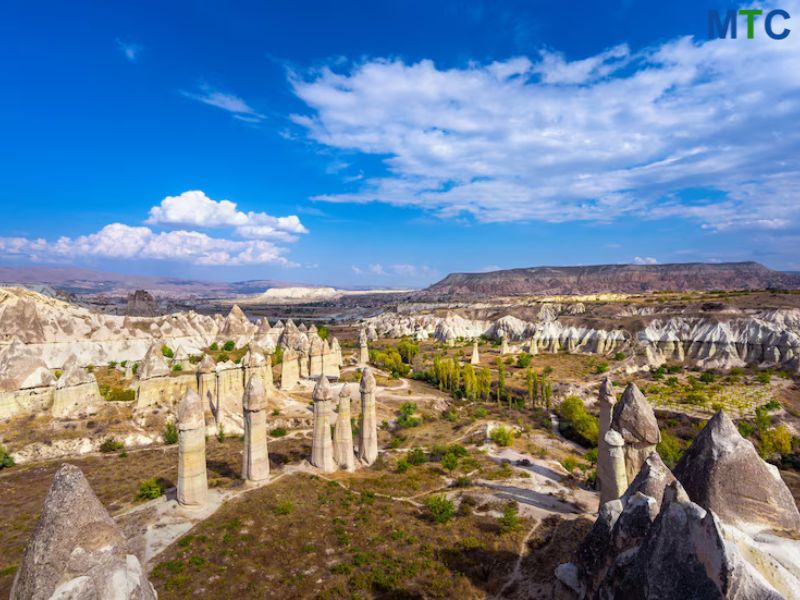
x=256, y=455
x=343, y=433
x=606, y=466
x=192, y=479
x=633, y=418
x=368, y=432
x=363, y=354
x=321, y=445
x=77, y=550
x=290, y=370
x=475, y=359
x=207, y=385
x=722, y=472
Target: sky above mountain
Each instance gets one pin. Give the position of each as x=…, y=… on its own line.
x=390, y=143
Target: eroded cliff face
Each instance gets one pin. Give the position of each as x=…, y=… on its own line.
x=724, y=339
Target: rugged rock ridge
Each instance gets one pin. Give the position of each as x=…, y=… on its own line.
x=660, y=540
x=611, y=279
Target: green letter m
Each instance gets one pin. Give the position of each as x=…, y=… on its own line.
x=718, y=29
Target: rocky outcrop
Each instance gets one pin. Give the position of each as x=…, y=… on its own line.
x=343, y=433
x=77, y=550
x=256, y=456
x=633, y=418
x=363, y=348
x=76, y=392
x=26, y=384
x=141, y=304
x=290, y=370
x=722, y=472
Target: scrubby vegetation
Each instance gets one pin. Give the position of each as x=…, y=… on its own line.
x=170, y=433
x=5, y=459
x=576, y=423
x=111, y=445
x=440, y=508
x=150, y=489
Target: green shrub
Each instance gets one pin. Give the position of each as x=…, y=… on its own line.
x=670, y=449
x=403, y=465
x=510, y=519
x=221, y=433
x=619, y=356
x=440, y=508
x=764, y=377
x=707, y=377
x=222, y=357
x=746, y=429
x=407, y=418
x=284, y=507
x=150, y=489
x=695, y=399
x=569, y=463
x=576, y=423
x=167, y=351
x=772, y=405
x=658, y=373
x=601, y=368
x=229, y=346
x=170, y=433
x=450, y=461
x=502, y=436
x=278, y=432
x=775, y=441
x=115, y=394
x=112, y=364
x=214, y=347
x=5, y=459
x=110, y=445
x=177, y=367
x=480, y=412
x=417, y=457
x=524, y=360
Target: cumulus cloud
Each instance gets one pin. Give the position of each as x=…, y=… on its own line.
x=644, y=260
x=619, y=133
x=227, y=102
x=403, y=270
x=119, y=241
x=258, y=233
x=196, y=209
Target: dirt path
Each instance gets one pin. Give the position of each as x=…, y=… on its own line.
x=516, y=573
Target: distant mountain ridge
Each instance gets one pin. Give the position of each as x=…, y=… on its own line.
x=594, y=279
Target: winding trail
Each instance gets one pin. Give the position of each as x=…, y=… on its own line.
x=516, y=573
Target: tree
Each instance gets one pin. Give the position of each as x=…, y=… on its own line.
x=501, y=380
x=440, y=508
x=530, y=380
x=470, y=382
x=484, y=383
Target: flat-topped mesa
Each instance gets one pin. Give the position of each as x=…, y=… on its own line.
x=363, y=349
x=723, y=472
x=368, y=432
x=256, y=455
x=475, y=359
x=633, y=418
x=153, y=364
x=77, y=550
x=192, y=478
x=321, y=444
x=343, y=433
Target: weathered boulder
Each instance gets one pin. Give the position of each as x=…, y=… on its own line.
x=77, y=551
x=633, y=418
x=722, y=471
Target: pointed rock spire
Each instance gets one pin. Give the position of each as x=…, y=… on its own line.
x=343, y=433
x=153, y=364
x=634, y=417
x=77, y=550
x=256, y=455
x=322, y=445
x=368, y=432
x=192, y=477
x=722, y=471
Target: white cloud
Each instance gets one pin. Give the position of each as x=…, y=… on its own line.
x=119, y=241
x=357, y=270
x=129, y=50
x=402, y=270
x=195, y=208
x=227, y=102
x=619, y=133
x=644, y=260
x=377, y=269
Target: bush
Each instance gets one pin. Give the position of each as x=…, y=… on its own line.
x=170, y=433
x=450, y=461
x=775, y=441
x=772, y=405
x=619, y=356
x=695, y=399
x=576, y=423
x=670, y=449
x=177, y=367
x=417, y=457
x=510, y=519
x=403, y=465
x=5, y=459
x=601, y=368
x=110, y=445
x=214, y=347
x=167, y=351
x=278, y=432
x=150, y=489
x=221, y=433
x=480, y=412
x=707, y=377
x=746, y=429
x=284, y=507
x=569, y=463
x=115, y=394
x=524, y=360
x=406, y=418
x=502, y=436
x=764, y=377
x=229, y=346
x=440, y=509
x=658, y=373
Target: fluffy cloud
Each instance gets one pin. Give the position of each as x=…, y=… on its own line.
x=644, y=260
x=258, y=232
x=119, y=241
x=227, y=102
x=196, y=209
x=403, y=270
x=619, y=133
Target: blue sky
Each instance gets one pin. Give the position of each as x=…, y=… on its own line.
x=387, y=144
